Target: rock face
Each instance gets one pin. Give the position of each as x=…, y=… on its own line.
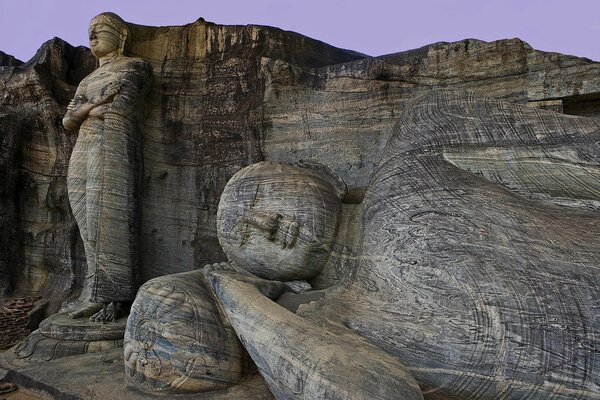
x=8, y=60
x=222, y=98
x=39, y=247
x=205, y=122
x=342, y=114
x=479, y=247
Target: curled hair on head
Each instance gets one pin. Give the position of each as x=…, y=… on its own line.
x=117, y=23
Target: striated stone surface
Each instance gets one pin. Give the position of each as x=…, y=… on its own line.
x=205, y=122
x=105, y=165
x=480, y=251
x=342, y=114
x=177, y=340
x=299, y=359
x=222, y=98
x=477, y=268
x=275, y=214
x=39, y=249
x=508, y=69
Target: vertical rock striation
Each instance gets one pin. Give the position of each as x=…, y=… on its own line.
x=39, y=251
x=205, y=122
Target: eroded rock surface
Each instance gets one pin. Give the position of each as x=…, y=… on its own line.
x=206, y=121
x=39, y=249
x=224, y=97
x=8, y=60
x=342, y=114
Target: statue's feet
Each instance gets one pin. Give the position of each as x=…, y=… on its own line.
x=86, y=311
x=110, y=312
x=271, y=289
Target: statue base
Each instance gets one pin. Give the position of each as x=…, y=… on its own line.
x=60, y=336
x=60, y=326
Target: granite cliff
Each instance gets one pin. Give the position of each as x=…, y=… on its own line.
x=224, y=97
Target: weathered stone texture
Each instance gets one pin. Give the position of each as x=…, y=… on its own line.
x=342, y=114
x=301, y=360
x=222, y=98
x=105, y=166
x=205, y=122
x=298, y=234
x=480, y=251
x=8, y=60
x=177, y=340
x=38, y=242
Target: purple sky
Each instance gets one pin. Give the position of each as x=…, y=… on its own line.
x=373, y=27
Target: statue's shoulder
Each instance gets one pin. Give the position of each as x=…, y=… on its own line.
x=139, y=61
x=137, y=64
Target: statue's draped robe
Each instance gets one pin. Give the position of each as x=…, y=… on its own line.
x=102, y=179
x=481, y=253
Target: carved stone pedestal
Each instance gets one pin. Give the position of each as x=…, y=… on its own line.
x=60, y=336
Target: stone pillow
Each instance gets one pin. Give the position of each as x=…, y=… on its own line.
x=177, y=341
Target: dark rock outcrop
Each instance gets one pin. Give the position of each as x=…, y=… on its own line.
x=6, y=60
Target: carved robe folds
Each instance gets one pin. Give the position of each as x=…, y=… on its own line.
x=102, y=177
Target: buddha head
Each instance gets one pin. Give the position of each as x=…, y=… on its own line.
x=108, y=34
x=279, y=221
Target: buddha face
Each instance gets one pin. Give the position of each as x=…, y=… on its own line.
x=278, y=221
x=107, y=33
x=104, y=39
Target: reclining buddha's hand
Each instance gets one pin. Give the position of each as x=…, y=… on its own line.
x=215, y=272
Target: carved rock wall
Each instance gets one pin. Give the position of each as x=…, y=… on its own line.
x=342, y=114
x=224, y=97
x=205, y=123
x=39, y=252
x=480, y=250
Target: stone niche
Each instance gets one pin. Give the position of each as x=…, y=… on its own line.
x=205, y=122
x=224, y=97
